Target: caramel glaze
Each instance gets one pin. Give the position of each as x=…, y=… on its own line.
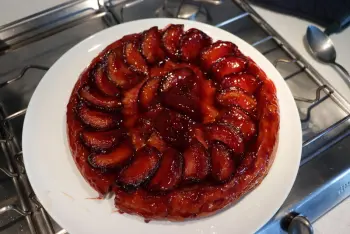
x=186, y=199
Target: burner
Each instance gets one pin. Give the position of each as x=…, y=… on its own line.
x=185, y=9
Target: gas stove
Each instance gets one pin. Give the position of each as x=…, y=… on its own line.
x=28, y=48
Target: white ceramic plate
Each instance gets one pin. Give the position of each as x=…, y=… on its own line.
x=63, y=191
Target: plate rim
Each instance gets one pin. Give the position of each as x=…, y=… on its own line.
x=26, y=136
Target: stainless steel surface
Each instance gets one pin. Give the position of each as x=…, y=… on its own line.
x=322, y=47
x=300, y=225
x=30, y=46
x=215, y=2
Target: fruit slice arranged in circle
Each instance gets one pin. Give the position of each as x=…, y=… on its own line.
x=244, y=81
x=104, y=84
x=223, y=165
x=143, y=166
x=102, y=140
x=151, y=45
x=227, y=135
x=118, y=157
x=117, y=71
x=240, y=120
x=169, y=174
x=148, y=92
x=177, y=77
x=171, y=39
x=192, y=44
x=98, y=119
x=196, y=162
x=157, y=142
x=216, y=51
x=237, y=97
x=178, y=92
x=227, y=66
x=94, y=98
x=134, y=59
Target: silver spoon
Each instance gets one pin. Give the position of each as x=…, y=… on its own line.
x=322, y=47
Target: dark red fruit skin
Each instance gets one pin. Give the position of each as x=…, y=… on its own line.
x=100, y=141
x=237, y=97
x=130, y=104
x=201, y=199
x=148, y=93
x=238, y=119
x=173, y=128
x=134, y=58
x=227, y=66
x=223, y=165
x=216, y=51
x=96, y=99
x=169, y=174
x=145, y=163
x=196, y=162
x=227, y=135
x=246, y=82
x=192, y=44
x=171, y=40
x=118, y=72
x=97, y=119
x=103, y=83
x=117, y=158
x=177, y=77
x=151, y=45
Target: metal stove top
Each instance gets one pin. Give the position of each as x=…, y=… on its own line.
x=28, y=47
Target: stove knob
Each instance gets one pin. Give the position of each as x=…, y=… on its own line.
x=300, y=225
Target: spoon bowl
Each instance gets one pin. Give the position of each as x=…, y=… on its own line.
x=322, y=47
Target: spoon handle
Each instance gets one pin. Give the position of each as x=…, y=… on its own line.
x=342, y=68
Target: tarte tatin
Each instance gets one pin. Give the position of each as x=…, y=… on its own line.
x=175, y=125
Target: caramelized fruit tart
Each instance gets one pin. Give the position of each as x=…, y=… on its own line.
x=175, y=125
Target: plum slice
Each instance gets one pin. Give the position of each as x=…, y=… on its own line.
x=98, y=119
x=156, y=141
x=169, y=174
x=237, y=97
x=196, y=162
x=227, y=135
x=216, y=51
x=148, y=92
x=130, y=104
x=171, y=39
x=142, y=168
x=208, y=92
x=244, y=81
x=192, y=43
x=104, y=84
x=228, y=65
x=151, y=45
x=162, y=69
x=134, y=59
x=173, y=128
x=240, y=120
x=114, y=159
x=177, y=77
x=184, y=102
x=222, y=164
x=93, y=97
x=197, y=133
x=102, y=140
x=117, y=71
x=179, y=92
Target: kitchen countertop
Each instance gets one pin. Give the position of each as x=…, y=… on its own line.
x=293, y=30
